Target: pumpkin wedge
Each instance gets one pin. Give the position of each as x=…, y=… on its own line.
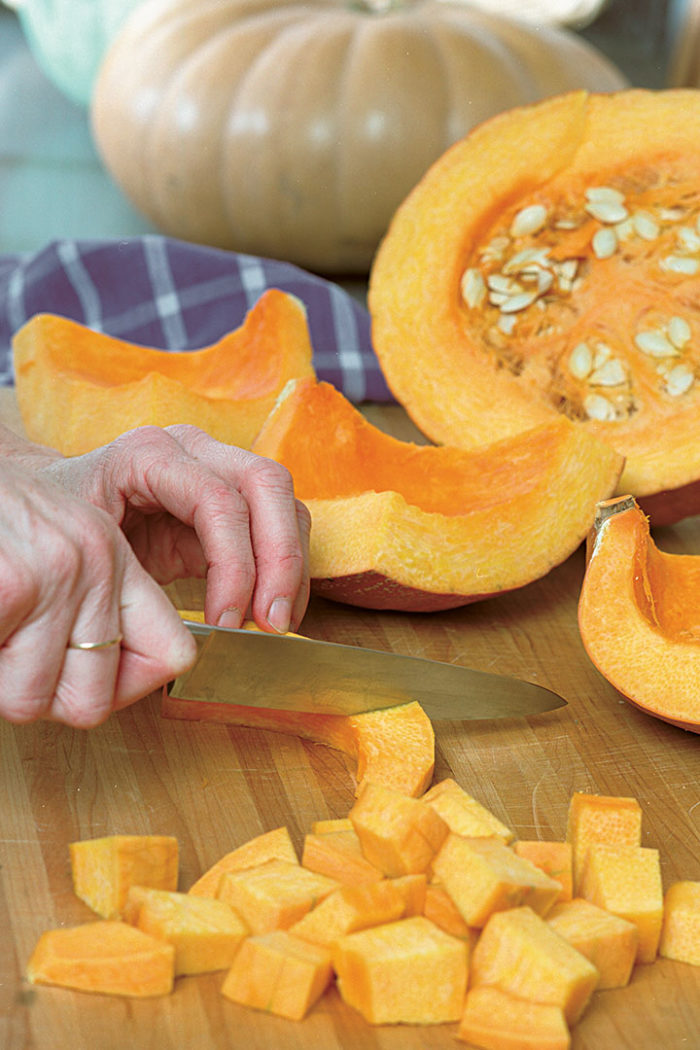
x=78, y=388
x=549, y=264
x=398, y=525
x=393, y=746
x=638, y=614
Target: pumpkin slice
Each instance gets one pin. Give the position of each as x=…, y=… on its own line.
x=639, y=612
x=549, y=264
x=78, y=389
x=416, y=527
x=394, y=746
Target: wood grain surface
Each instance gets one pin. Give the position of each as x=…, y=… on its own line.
x=216, y=786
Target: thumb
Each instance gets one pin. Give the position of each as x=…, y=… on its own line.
x=156, y=646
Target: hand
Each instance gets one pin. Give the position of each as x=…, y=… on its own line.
x=68, y=575
x=193, y=507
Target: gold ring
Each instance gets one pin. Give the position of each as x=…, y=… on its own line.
x=87, y=646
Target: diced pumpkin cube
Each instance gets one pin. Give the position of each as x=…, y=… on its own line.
x=483, y=875
x=612, y=819
x=104, y=869
x=680, y=934
x=205, y=933
x=553, y=858
x=274, y=895
x=352, y=908
x=405, y=972
x=495, y=1020
x=626, y=880
x=325, y=827
x=272, y=845
x=398, y=834
x=278, y=973
x=106, y=956
x=339, y=855
x=519, y=953
x=442, y=910
x=608, y=941
x=463, y=814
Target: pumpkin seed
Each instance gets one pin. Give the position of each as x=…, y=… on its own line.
x=498, y=283
x=625, y=229
x=671, y=214
x=679, y=380
x=680, y=264
x=528, y=220
x=495, y=249
x=679, y=332
x=645, y=225
x=689, y=239
x=568, y=269
x=506, y=323
x=580, y=361
x=527, y=259
x=604, y=193
x=606, y=211
x=602, y=354
x=611, y=373
x=473, y=287
x=599, y=408
x=518, y=302
x=545, y=280
x=604, y=243
x=654, y=343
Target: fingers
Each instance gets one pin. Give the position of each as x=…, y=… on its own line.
x=242, y=524
x=68, y=577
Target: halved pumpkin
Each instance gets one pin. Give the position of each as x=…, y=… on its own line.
x=549, y=264
x=397, y=525
x=78, y=388
x=639, y=615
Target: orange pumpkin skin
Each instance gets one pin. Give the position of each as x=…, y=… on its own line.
x=396, y=525
x=78, y=389
x=638, y=614
x=608, y=319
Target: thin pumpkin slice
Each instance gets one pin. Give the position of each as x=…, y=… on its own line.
x=393, y=746
x=639, y=615
x=78, y=389
x=415, y=527
x=549, y=264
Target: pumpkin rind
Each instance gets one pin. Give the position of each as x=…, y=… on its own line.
x=432, y=338
x=287, y=129
x=419, y=527
x=78, y=389
x=638, y=614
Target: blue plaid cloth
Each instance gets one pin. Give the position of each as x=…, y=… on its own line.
x=165, y=293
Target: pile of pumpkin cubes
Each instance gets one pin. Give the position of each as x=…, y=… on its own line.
x=421, y=910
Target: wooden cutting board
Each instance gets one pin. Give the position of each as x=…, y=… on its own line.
x=215, y=786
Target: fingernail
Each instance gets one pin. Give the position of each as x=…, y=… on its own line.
x=230, y=618
x=279, y=615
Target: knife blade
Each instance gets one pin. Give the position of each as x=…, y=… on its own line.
x=292, y=673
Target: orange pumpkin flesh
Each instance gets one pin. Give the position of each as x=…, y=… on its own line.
x=639, y=612
x=471, y=362
x=394, y=746
x=419, y=527
x=78, y=389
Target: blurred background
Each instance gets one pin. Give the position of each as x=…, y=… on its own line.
x=53, y=184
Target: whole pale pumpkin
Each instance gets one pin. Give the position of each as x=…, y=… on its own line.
x=294, y=130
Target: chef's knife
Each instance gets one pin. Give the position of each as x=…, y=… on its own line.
x=291, y=673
